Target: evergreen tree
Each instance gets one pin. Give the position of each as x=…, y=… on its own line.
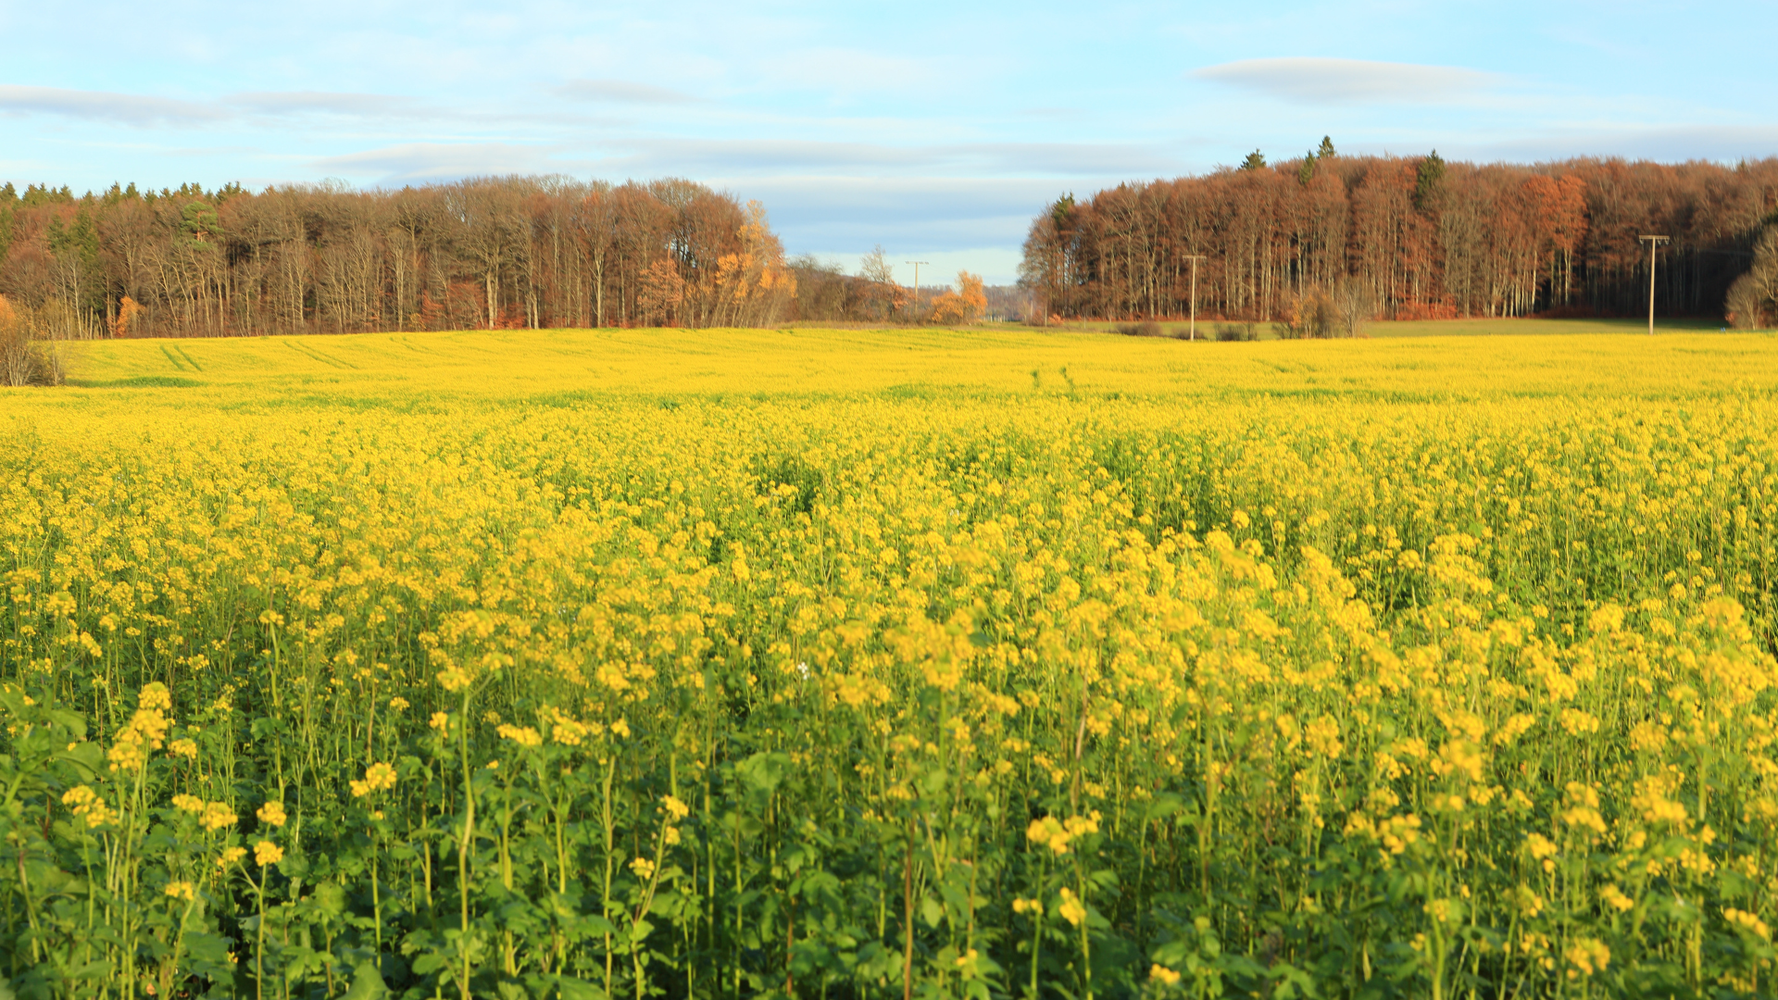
x=1430, y=175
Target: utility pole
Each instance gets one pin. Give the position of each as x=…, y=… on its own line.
x=1652, y=241
x=917, y=264
x=1194, y=258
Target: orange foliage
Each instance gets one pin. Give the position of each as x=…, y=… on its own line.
x=127, y=311
x=963, y=304
x=661, y=291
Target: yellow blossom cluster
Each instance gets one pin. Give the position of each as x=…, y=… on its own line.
x=378, y=777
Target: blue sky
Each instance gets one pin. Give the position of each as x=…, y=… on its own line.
x=934, y=129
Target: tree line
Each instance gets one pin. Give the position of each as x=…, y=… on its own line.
x=484, y=253
x=1307, y=240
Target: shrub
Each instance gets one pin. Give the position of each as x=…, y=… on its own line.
x=1146, y=328
x=24, y=360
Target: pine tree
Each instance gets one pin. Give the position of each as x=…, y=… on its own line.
x=1427, y=180
x=1326, y=152
x=1255, y=160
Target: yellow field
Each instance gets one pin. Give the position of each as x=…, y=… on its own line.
x=879, y=663
x=521, y=364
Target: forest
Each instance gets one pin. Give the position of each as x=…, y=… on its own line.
x=1306, y=241
x=1316, y=245
x=484, y=253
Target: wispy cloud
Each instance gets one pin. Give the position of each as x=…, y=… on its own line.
x=436, y=161
x=621, y=92
x=812, y=155
x=100, y=105
x=1312, y=80
x=1673, y=143
x=312, y=102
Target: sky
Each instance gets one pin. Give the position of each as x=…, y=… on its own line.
x=936, y=130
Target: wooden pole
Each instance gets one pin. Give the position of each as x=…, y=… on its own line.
x=1194, y=258
x=1652, y=241
x=916, y=264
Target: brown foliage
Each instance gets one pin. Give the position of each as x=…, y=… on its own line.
x=489, y=252
x=1415, y=237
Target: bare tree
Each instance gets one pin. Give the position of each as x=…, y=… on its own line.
x=1353, y=306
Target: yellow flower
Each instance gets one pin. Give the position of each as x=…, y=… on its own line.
x=273, y=813
x=676, y=810
x=266, y=853
x=566, y=731
x=230, y=856
x=1749, y=923
x=378, y=777
x=643, y=868
x=1163, y=975
x=398, y=703
x=128, y=753
x=1587, y=956
x=184, y=748
x=155, y=697
x=621, y=729
x=1049, y=832
x=439, y=720
x=181, y=890
x=218, y=815
x=188, y=803
x=88, y=807
x=524, y=736
x=1071, y=908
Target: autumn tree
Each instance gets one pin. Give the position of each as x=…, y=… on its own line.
x=883, y=295
x=961, y=305
x=1426, y=237
x=1752, y=302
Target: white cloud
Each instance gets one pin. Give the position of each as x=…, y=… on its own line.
x=322, y=102
x=811, y=156
x=99, y=105
x=1662, y=143
x=621, y=92
x=1313, y=80
x=416, y=162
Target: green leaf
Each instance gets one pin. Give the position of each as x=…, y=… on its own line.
x=931, y=911
x=367, y=983
x=429, y=963
x=1163, y=805
x=763, y=772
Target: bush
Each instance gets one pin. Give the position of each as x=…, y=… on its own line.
x=1236, y=331
x=1146, y=328
x=24, y=360
x=1753, y=298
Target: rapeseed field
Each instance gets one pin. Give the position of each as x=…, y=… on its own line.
x=885, y=664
